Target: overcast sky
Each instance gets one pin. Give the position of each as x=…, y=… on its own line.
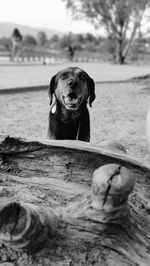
x=41, y=13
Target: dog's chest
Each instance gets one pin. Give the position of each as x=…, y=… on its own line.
x=70, y=117
x=69, y=129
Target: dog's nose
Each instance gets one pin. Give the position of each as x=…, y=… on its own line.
x=72, y=83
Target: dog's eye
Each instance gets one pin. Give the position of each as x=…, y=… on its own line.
x=63, y=76
x=82, y=76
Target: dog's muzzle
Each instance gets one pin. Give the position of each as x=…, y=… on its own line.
x=71, y=101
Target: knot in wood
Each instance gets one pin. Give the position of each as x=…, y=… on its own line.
x=23, y=225
x=112, y=184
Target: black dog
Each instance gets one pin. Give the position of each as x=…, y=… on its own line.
x=69, y=91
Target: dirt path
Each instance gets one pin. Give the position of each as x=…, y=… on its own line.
x=12, y=76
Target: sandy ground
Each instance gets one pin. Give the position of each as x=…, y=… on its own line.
x=118, y=113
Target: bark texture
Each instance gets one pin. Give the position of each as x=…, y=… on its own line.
x=48, y=205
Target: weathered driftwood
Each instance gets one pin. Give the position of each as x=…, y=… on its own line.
x=72, y=203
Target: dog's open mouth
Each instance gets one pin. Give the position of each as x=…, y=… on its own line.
x=72, y=103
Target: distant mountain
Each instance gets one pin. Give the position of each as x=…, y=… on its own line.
x=6, y=29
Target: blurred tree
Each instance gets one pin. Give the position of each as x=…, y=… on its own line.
x=90, y=37
x=80, y=38
x=54, y=38
x=5, y=43
x=42, y=38
x=30, y=40
x=65, y=41
x=121, y=19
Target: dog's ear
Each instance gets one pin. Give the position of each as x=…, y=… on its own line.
x=52, y=87
x=91, y=89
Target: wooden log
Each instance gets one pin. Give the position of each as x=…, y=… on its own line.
x=112, y=185
x=71, y=203
x=25, y=225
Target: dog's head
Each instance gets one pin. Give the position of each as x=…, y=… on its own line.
x=72, y=87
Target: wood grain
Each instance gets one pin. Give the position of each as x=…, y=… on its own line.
x=51, y=182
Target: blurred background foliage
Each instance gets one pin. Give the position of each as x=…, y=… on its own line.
x=125, y=38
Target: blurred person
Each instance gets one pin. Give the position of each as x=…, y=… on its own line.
x=71, y=52
x=16, y=40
